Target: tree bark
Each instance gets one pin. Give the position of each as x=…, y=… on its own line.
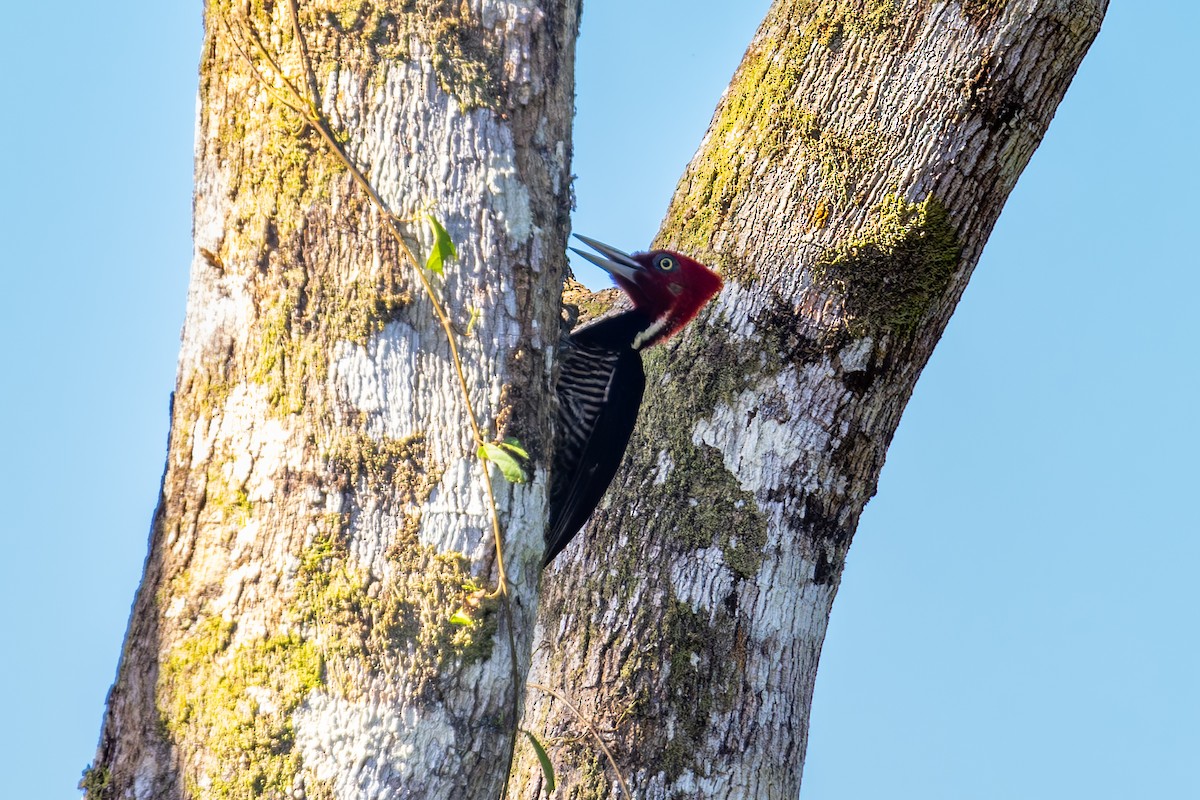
x=323, y=515
x=849, y=179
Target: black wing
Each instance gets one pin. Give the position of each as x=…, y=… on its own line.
x=599, y=393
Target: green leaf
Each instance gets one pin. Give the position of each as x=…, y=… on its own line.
x=516, y=448
x=547, y=767
x=508, y=465
x=459, y=618
x=443, y=249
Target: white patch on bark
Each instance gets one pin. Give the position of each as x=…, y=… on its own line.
x=459, y=181
x=509, y=198
x=662, y=470
x=438, y=528
x=176, y=607
x=689, y=784
x=256, y=445
x=856, y=356
x=517, y=18
x=244, y=539
x=371, y=749
x=263, y=698
x=379, y=380
x=497, y=12
x=144, y=778
x=770, y=429
x=700, y=578
x=525, y=512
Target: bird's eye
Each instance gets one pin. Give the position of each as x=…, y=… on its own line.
x=666, y=263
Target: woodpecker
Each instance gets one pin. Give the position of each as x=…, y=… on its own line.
x=601, y=380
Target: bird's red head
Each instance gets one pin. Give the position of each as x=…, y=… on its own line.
x=669, y=288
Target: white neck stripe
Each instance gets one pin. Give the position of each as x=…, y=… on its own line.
x=650, y=333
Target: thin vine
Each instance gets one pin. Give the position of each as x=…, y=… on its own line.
x=591, y=729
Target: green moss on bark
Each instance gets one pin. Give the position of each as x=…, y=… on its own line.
x=709, y=507
x=234, y=702
x=399, y=623
x=96, y=783
x=230, y=696
x=226, y=503
x=397, y=464
x=582, y=305
x=830, y=22
x=699, y=681
x=896, y=268
x=466, y=61
x=688, y=634
x=304, y=317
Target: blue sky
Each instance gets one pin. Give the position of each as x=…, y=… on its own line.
x=1018, y=617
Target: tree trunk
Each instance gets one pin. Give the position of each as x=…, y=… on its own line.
x=323, y=515
x=850, y=177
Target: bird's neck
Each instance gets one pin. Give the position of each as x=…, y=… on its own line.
x=630, y=329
